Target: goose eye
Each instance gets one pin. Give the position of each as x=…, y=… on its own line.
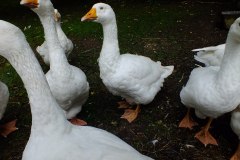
x=101, y=8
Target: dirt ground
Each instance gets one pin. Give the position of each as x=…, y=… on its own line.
x=195, y=24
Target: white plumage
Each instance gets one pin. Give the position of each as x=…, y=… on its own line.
x=68, y=83
x=213, y=91
x=52, y=136
x=210, y=56
x=136, y=78
x=66, y=43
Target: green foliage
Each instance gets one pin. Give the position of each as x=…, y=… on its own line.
x=9, y=76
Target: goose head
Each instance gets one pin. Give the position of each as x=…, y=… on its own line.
x=101, y=13
x=41, y=7
x=30, y=4
x=234, y=31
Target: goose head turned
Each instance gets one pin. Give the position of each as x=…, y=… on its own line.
x=100, y=13
x=41, y=7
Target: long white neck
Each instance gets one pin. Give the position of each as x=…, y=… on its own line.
x=61, y=34
x=229, y=73
x=110, y=49
x=47, y=116
x=57, y=57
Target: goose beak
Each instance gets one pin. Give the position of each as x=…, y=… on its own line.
x=30, y=3
x=90, y=16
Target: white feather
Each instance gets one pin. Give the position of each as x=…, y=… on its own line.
x=210, y=56
x=66, y=43
x=136, y=78
x=68, y=83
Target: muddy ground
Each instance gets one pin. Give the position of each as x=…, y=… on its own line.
x=162, y=30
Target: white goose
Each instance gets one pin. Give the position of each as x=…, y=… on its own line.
x=210, y=56
x=52, y=136
x=136, y=78
x=68, y=83
x=235, y=124
x=213, y=91
x=9, y=127
x=66, y=43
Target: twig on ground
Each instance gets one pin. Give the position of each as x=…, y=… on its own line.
x=181, y=78
x=87, y=51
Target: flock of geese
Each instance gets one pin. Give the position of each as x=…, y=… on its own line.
x=58, y=96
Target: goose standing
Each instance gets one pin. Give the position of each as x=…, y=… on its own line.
x=52, y=136
x=136, y=78
x=210, y=56
x=68, y=83
x=213, y=91
x=9, y=127
x=66, y=43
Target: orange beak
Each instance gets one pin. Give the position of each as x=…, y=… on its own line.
x=90, y=16
x=30, y=3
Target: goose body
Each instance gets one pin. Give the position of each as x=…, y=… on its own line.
x=210, y=56
x=70, y=90
x=66, y=43
x=214, y=91
x=135, y=78
x=208, y=98
x=68, y=83
x=52, y=136
x=92, y=144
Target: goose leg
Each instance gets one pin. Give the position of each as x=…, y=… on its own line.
x=8, y=128
x=123, y=104
x=236, y=155
x=187, y=121
x=204, y=136
x=130, y=114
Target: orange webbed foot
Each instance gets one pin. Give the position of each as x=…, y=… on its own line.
x=78, y=122
x=187, y=122
x=206, y=138
x=130, y=114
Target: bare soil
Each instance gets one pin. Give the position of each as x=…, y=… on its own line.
x=158, y=121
